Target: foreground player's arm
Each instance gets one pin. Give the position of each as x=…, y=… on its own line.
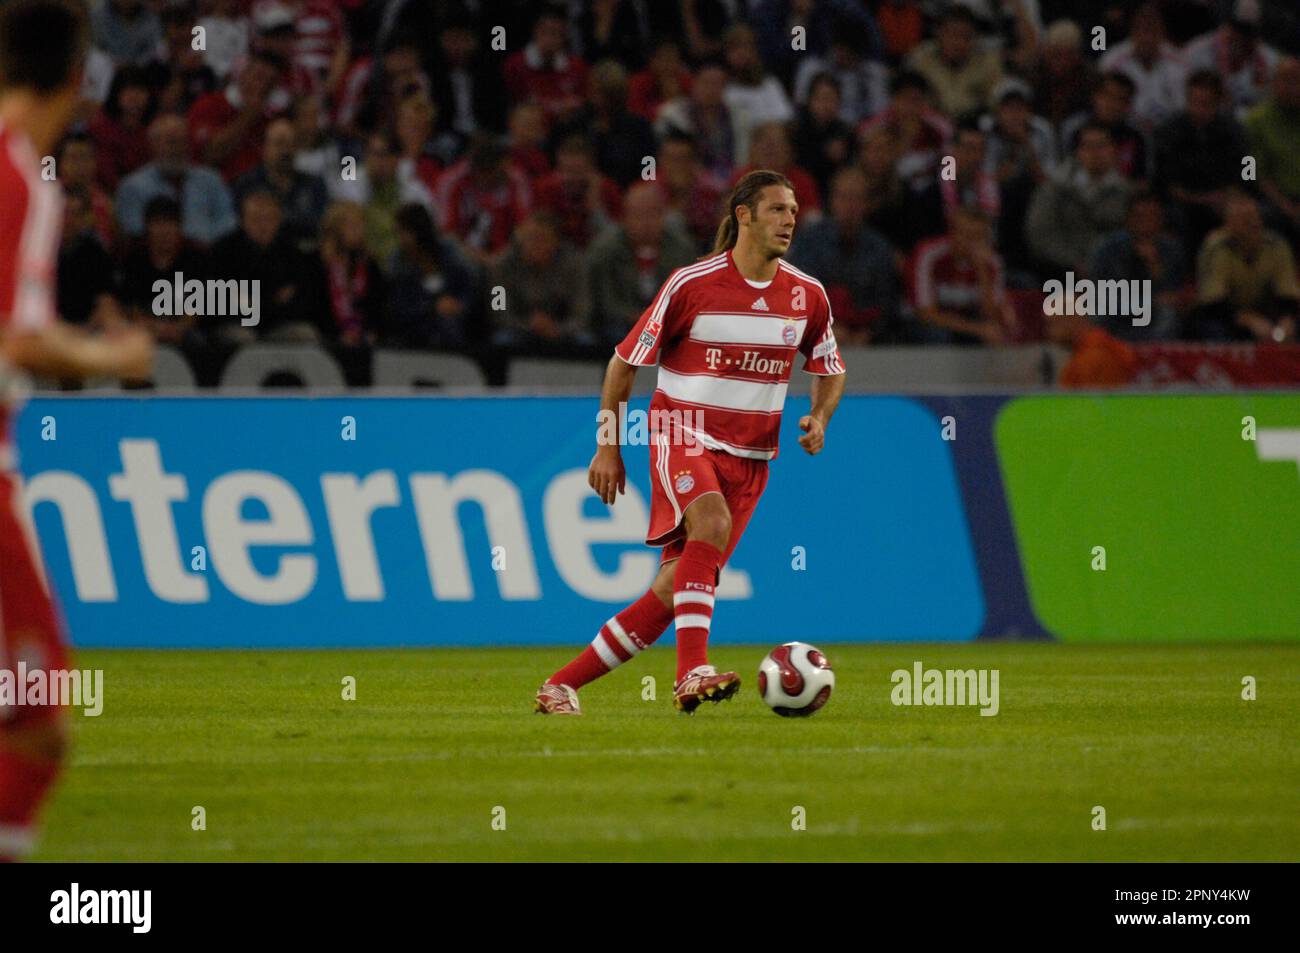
x=826, y=393
x=606, y=474
x=61, y=350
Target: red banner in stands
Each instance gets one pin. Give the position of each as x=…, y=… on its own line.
x=1218, y=365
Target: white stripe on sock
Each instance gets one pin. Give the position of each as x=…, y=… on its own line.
x=16, y=841
x=605, y=652
x=693, y=622
x=692, y=595
x=617, y=631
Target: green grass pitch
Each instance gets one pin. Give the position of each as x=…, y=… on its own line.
x=437, y=738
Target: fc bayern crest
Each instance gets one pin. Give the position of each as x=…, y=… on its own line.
x=685, y=483
x=788, y=334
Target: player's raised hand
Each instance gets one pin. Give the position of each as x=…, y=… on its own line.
x=814, y=436
x=606, y=474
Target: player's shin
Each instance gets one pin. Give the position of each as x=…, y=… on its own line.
x=619, y=639
x=697, y=570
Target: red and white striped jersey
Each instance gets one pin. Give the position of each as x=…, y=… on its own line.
x=940, y=279
x=319, y=29
x=725, y=347
x=31, y=219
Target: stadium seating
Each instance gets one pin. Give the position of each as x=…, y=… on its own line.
x=171, y=372
x=560, y=374
x=896, y=369
x=960, y=369
x=255, y=366
x=408, y=370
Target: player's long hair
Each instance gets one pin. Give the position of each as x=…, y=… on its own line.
x=746, y=193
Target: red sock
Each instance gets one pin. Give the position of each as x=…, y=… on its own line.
x=625, y=635
x=23, y=784
x=693, y=580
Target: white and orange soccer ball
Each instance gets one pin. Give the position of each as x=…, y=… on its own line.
x=795, y=679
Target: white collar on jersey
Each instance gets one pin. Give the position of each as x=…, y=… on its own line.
x=731, y=260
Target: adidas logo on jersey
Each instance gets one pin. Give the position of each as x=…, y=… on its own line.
x=759, y=305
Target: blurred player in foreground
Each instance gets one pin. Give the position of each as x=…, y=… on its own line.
x=42, y=46
x=724, y=332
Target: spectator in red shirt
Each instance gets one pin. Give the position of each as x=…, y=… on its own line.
x=583, y=200
x=120, y=130
x=902, y=24
x=483, y=198
x=320, y=46
x=275, y=32
x=528, y=141
x=545, y=72
x=919, y=131
x=694, y=194
x=227, y=128
x=770, y=148
x=664, y=79
x=958, y=282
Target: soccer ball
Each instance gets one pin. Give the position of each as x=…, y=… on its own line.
x=795, y=679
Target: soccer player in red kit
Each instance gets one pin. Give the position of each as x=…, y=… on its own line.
x=42, y=46
x=724, y=332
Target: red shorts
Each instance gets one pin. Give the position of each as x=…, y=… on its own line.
x=30, y=630
x=679, y=478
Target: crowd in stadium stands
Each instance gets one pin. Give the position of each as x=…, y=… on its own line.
x=517, y=177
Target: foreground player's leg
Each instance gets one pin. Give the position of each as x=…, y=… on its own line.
x=30, y=759
x=32, y=739
x=708, y=530
x=625, y=635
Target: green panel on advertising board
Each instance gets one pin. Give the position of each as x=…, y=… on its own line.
x=1200, y=526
